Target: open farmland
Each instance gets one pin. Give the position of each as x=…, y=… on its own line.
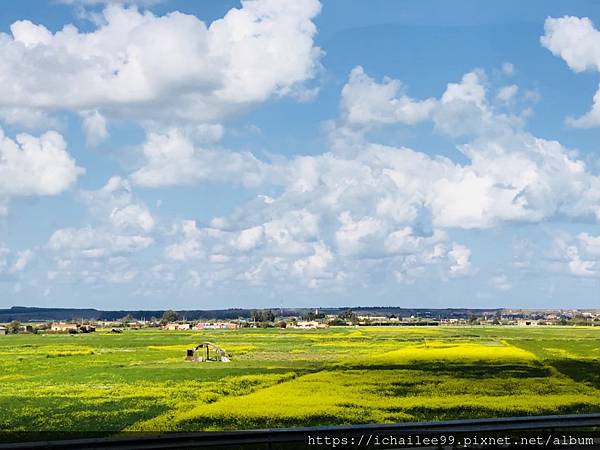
x=138, y=381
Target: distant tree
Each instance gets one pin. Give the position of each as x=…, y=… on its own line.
x=311, y=315
x=14, y=326
x=127, y=319
x=262, y=315
x=282, y=324
x=348, y=316
x=169, y=316
x=337, y=322
x=268, y=316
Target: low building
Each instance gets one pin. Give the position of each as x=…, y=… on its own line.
x=310, y=324
x=3, y=331
x=527, y=323
x=62, y=327
x=177, y=326
x=216, y=326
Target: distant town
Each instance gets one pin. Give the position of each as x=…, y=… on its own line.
x=56, y=320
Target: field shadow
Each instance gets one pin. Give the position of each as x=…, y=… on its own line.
x=426, y=414
x=581, y=371
x=475, y=370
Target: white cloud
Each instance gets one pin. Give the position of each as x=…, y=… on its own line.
x=364, y=207
x=515, y=177
x=353, y=235
x=577, y=255
x=95, y=128
x=189, y=244
x=360, y=215
x=28, y=118
x=328, y=225
x=406, y=241
x=463, y=109
x=460, y=257
x=93, y=271
x=35, y=165
x=590, y=244
x=12, y=264
x=577, y=42
x=249, y=238
x=364, y=101
x=315, y=266
x=174, y=158
x=116, y=206
x=23, y=258
x=508, y=68
x=507, y=93
x=89, y=242
x=591, y=119
x=510, y=176
x=170, y=69
x=501, y=283
x=107, y=250
x=373, y=209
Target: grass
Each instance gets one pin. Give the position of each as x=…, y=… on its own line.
x=104, y=383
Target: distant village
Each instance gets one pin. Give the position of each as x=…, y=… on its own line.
x=311, y=319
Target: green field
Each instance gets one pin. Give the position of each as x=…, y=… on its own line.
x=138, y=380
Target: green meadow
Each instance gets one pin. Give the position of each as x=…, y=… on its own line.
x=139, y=381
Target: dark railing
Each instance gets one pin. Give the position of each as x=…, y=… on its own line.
x=547, y=428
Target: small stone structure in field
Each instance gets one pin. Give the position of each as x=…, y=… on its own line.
x=207, y=351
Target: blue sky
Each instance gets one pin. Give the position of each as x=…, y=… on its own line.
x=210, y=154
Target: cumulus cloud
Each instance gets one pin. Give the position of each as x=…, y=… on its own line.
x=367, y=206
x=93, y=243
x=108, y=249
x=115, y=205
x=460, y=257
x=578, y=255
x=93, y=271
x=171, y=68
x=95, y=127
x=507, y=93
x=355, y=216
x=13, y=263
x=577, y=41
x=28, y=118
x=364, y=101
x=349, y=215
x=173, y=158
x=32, y=165
x=511, y=175
x=188, y=245
x=335, y=220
